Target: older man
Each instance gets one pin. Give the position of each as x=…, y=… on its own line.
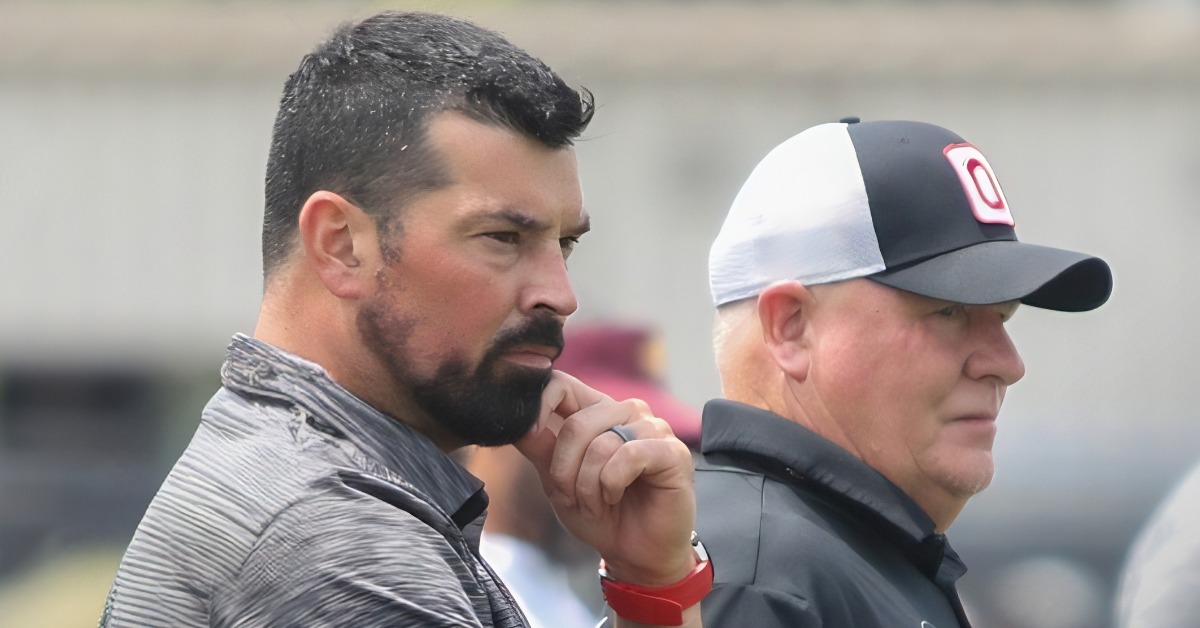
x=863, y=279
x=422, y=197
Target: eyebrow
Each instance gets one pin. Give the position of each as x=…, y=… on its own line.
x=515, y=218
x=525, y=221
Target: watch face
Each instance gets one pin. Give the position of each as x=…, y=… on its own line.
x=701, y=553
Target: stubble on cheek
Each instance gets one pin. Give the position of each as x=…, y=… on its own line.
x=385, y=334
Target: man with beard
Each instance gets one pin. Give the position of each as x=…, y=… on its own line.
x=863, y=280
x=422, y=197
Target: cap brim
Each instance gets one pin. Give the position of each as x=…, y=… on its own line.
x=1007, y=270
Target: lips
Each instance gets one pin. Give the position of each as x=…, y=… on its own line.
x=540, y=356
x=542, y=336
x=537, y=356
x=978, y=429
x=550, y=353
x=982, y=417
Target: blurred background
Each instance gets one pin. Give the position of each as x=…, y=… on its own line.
x=133, y=138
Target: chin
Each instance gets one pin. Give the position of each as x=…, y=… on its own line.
x=974, y=481
x=969, y=474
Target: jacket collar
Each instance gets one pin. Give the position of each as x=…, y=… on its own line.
x=256, y=369
x=786, y=448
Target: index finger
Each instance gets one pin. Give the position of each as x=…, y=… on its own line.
x=563, y=396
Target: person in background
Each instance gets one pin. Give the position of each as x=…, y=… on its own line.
x=422, y=196
x=522, y=539
x=628, y=361
x=863, y=280
x=1158, y=583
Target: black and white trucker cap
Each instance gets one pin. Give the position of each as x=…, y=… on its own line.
x=908, y=204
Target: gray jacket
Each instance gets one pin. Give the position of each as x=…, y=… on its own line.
x=296, y=504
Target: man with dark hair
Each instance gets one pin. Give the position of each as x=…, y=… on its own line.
x=422, y=197
x=863, y=279
x=352, y=117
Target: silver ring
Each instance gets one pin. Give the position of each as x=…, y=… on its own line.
x=624, y=431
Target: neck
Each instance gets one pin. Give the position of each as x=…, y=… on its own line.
x=942, y=508
x=313, y=325
x=303, y=326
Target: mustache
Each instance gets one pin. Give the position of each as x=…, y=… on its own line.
x=545, y=330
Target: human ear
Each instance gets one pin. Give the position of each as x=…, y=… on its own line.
x=783, y=313
x=339, y=242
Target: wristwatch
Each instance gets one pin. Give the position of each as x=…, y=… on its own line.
x=660, y=606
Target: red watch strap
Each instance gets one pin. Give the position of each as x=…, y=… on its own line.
x=658, y=606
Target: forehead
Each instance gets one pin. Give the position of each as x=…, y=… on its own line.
x=857, y=293
x=865, y=294
x=498, y=171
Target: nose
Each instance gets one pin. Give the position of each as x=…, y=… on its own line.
x=995, y=355
x=549, y=287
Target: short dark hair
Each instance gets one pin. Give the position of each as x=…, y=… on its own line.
x=353, y=116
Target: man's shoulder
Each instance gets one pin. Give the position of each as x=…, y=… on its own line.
x=260, y=466
x=778, y=540
x=204, y=539
x=755, y=524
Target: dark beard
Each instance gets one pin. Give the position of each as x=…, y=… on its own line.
x=495, y=404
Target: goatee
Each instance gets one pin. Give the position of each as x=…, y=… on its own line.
x=494, y=404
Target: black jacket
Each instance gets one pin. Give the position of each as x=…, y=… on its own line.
x=802, y=533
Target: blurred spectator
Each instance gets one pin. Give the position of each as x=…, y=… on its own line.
x=628, y=361
x=525, y=544
x=1162, y=573
x=522, y=540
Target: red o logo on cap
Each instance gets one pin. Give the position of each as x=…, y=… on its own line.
x=979, y=183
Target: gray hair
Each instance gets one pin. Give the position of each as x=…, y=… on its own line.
x=730, y=317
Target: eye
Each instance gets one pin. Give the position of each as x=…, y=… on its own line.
x=951, y=311
x=507, y=237
x=568, y=244
x=1008, y=310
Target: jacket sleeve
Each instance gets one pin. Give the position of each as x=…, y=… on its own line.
x=1162, y=572
x=346, y=561
x=758, y=606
